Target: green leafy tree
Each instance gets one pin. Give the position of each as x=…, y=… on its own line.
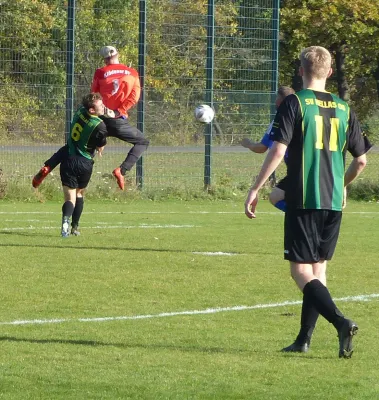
x=30, y=79
x=350, y=30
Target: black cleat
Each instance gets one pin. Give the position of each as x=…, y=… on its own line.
x=345, y=337
x=296, y=348
x=75, y=230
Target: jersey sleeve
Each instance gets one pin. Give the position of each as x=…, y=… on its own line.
x=358, y=143
x=266, y=139
x=100, y=135
x=95, y=86
x=285, y=120
x=132, y=99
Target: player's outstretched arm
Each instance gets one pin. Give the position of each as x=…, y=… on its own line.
x=256, y=147
x=100, y=150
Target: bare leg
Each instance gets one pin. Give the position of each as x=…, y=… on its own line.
x=276, y=198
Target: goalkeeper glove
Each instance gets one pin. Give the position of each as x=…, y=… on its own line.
x=108, y=113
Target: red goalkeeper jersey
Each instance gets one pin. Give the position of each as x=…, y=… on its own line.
x=118, y=85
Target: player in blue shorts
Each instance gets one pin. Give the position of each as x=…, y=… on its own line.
x=276, y=196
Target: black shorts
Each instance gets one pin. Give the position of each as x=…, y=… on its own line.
x=76, y=172
x=311, y=235
x=282, y=184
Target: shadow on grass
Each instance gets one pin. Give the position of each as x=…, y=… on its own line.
x=75, y=246
x=12, y=233
x=189, y=348
x=94, y=343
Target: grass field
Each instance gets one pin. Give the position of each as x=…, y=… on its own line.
x=176, y=300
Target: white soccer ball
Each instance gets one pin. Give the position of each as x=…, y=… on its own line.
x=204, y=113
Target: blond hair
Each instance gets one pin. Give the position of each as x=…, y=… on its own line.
x=316, y=62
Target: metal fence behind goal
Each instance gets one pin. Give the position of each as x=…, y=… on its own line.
x=221, y=53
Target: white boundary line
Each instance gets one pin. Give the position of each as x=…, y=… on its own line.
x=215, y=253
x=30, y=228
x=363, y=297
x=168, y=212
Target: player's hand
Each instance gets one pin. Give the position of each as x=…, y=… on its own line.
x=245, y=142
x=100, y=151
x=344, y=197
x=109, y=113
x=251, y=203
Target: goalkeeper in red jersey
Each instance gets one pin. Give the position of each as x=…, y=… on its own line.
x=119, y=86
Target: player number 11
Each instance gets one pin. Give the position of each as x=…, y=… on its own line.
x=334, y=124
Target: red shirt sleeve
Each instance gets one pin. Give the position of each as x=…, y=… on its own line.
x=132, y=98
x=95, y=87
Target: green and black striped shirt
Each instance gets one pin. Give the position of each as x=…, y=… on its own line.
x=318, y=128
x=87, y=132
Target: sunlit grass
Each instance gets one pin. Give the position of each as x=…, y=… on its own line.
x=144, y=258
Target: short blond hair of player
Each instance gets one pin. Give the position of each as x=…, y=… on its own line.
x=316, y=62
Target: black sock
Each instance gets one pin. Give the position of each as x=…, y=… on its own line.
x=317, y=294
x=67, y=209
x=77, y=211
x=309, y=316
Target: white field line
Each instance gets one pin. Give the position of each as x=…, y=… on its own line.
x=29, y=220
x=170, y=212
x=363, y=297
x=137, y=212
x=30, y=228
x=215, y=253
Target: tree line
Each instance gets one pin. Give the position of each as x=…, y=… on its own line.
x=33, y=37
